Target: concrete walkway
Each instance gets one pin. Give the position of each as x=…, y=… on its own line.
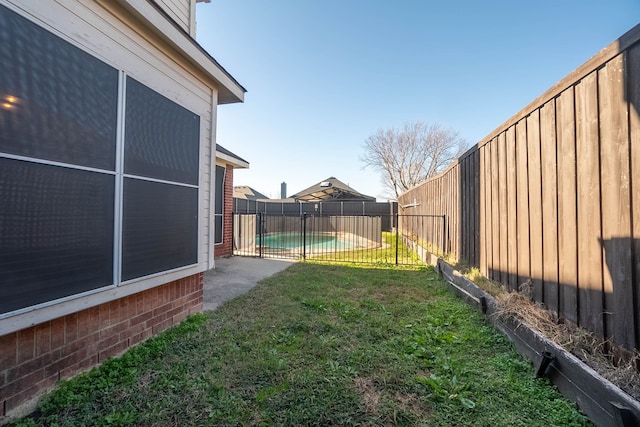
x=234, y=276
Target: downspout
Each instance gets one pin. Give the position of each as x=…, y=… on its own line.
x=212, y=180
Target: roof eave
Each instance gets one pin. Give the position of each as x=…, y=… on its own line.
x=147, y=12
x=233, y=161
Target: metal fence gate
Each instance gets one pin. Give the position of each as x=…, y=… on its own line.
x=392, y=239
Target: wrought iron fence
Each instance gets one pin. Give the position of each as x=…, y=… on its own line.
x=348, y=238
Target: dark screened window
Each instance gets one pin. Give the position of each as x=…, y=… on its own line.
x=56, y=102
x=160, y=227
x=59, y=104
x=56, y=232
x=162, y=139
x=219, y=205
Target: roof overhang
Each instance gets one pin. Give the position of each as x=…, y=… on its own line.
x=147, y=12
x=230, y=158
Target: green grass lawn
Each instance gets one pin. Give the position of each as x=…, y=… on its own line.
x=320, y=344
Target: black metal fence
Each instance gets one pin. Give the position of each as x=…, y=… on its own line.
x=348, y=238
x=386, y=210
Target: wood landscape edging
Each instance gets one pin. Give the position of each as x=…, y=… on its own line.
x=602, y=401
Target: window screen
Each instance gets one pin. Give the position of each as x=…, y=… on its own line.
x=56, y=102
x=160, y=227
x=59, y=104
x=56, y=232
x=161, y=137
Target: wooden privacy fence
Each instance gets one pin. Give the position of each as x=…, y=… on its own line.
x=552, y=197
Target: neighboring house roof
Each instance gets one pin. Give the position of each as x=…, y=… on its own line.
x=247, y=193
x=331, y=189
x=231, y=158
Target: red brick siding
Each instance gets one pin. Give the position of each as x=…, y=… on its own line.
x=33, y=360
x=225, y=248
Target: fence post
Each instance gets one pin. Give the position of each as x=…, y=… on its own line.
x=397, y=233
x=304, y=235
x=260, y=233
x=233, y=232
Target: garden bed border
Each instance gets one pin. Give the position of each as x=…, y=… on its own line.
x=602, y=401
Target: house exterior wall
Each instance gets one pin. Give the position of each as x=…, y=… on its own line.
x=109, y=35
x=34, y=359
x=226, y=247
x=47, y=342
x=181, y=11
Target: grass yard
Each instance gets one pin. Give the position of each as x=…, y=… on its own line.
x=320, y=344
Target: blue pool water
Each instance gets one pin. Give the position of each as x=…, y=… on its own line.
x=292, y=241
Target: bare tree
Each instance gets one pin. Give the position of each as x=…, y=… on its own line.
x=412, y=154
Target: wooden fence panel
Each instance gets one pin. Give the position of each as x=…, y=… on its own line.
x=512, y=226
x=633, y=98
x=588, y=192
x=522, y=202
x=567, y=216
x=553, y=196
x=616, y=202
x=535, y=203
x=548, y=158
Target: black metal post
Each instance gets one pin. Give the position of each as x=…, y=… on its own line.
x=233, y=233
x=260, y=233
x=397, y=234
x=304, y=235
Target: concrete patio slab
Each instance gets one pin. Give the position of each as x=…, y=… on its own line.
x=233, y=276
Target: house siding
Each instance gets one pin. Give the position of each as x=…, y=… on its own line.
x=179, y=11
x=40, y=346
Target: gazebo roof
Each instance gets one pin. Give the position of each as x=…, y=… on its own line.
x=331, y=189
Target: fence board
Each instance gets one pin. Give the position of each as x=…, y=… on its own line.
x=512, y=226
x=567, y=219
x=535, y=203
x=616, y=217
x=466, y=212
x=548, y=158
x=483, y=212
x=588, y=191
x=522, y=203
x=495, y=211
x=476, y=201
x=633, y=97
x=502, y=210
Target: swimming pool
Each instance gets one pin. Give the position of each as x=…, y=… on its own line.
x=293, y=241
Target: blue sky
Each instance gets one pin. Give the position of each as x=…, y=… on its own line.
x=322, y=76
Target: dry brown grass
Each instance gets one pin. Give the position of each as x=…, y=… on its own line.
x=589, y=348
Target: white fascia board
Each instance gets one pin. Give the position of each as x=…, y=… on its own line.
x=233, y=161
x=229, y=90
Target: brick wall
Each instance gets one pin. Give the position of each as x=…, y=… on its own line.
x=33, y=360
x=226, y=247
